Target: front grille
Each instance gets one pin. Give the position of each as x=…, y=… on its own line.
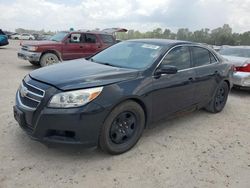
x=30, y=96
x=25, y=48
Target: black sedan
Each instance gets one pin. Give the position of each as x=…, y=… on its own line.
x=109, y=99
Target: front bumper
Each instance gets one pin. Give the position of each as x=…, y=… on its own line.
x=241, y=79
x=50, y=125
x=30, y=56
x=67, y=126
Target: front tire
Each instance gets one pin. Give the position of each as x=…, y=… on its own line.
x=48, y=59
x=122, y=128
x=219, y=100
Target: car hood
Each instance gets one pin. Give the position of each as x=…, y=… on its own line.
x=40, y=43
x=236, y=61
x=79, y=74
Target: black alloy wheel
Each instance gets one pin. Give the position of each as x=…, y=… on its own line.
x=219, y=100
x=122, y=128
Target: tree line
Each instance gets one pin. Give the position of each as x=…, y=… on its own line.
x=219, y=36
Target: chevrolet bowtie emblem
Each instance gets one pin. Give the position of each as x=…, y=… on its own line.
x=23, y=91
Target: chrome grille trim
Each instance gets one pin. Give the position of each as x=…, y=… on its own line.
x=30, y=95
x=36, y=88
x=41, y=96
x=23, y=105
x=24, y=48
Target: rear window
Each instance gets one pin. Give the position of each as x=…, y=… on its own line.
x=107, y=39
x=90, y=38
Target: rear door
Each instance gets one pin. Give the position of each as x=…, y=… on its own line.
x=92, y=45
x=206, y=68
x=175, y=92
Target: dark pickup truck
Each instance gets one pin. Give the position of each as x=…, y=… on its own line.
x=67, y=45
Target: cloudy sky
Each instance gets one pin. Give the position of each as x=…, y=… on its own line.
x=141, y=15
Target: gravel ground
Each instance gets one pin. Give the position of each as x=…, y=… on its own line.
x=196, y=150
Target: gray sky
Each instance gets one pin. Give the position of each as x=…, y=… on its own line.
x=140, y=15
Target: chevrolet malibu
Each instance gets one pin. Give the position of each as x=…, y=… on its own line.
x=110, y=98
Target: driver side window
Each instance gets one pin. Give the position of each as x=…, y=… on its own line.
x=179, y=57
x=75, y=38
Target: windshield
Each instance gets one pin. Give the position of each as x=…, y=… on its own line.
x=135, y=55
x=59, y=36
x=1, y=32
x=238, y=52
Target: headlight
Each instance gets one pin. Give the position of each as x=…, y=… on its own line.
x=74, y=98
x=32, y=48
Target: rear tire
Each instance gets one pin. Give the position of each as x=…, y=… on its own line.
x=35, y=63
x=122, y=129
x=48, y=59
x=219, y=100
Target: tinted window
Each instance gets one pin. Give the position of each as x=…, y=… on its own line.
x=179, y=57
x=201, y=56
x=107, y=39
x=90, y=38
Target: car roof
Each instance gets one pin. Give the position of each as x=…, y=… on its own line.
x=163, y=42
x=88, y=31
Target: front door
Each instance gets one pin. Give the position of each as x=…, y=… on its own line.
x=73, y=47
x=174, y=92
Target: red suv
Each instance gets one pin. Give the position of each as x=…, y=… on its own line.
x=66, y=46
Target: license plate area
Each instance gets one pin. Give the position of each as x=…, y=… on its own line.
x=19, y=116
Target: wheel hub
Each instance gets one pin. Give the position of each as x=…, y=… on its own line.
x=123, y=127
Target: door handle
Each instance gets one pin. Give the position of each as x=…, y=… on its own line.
x=190, y=79
x=81, y=46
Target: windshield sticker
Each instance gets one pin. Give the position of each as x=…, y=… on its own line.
x=150, y=46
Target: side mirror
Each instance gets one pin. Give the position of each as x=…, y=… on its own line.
x=166, y=69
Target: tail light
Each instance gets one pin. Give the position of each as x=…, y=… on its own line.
x=244, y=68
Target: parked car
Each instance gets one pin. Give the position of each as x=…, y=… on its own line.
x=239, y=56
x=8, y=33
x=216, y=48
x=23, y=36
x=44, y=37
x=109, y=99
x=3, y=38
x=65, y=46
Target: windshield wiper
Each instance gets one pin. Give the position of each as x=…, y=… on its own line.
x=103, y=63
